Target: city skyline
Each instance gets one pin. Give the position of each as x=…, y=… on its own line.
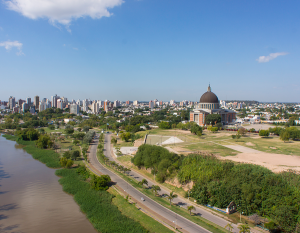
x=130, y=50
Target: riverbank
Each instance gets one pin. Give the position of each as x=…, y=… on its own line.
x=48, y=157
x=98, y=206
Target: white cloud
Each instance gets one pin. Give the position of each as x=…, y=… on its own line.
x=271, y=56
x=8, y=45
x=62, y=11
x=75, y=48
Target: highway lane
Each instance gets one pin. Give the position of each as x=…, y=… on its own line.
x=182, y=223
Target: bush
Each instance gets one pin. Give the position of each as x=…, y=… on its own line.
x=164, y=125
x=44, y=142
x=264, y=133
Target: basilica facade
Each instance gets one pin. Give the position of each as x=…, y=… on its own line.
x=209, y=104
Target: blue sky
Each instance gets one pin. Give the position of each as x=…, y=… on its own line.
x=147, y=49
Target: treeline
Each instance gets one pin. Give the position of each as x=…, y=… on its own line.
x=253, y=188
x=162, y=163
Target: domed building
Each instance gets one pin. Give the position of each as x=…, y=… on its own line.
x=209, y=104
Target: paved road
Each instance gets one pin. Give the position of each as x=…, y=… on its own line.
x=181, y=222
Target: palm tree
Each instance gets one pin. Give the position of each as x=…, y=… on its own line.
x=190, y=208
x=171, y=196
x=229, y=226
x=155, y=188
x=144, y=181
x=244, y=229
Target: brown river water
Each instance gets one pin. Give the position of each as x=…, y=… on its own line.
x=31, y=198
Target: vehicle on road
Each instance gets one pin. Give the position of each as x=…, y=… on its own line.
x=142, y=199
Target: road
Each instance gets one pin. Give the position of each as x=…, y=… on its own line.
x=182, y=223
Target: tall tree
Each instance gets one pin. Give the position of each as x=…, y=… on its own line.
x=171, y=197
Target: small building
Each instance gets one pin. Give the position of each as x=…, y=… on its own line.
x=231, y=208
x=209, y=104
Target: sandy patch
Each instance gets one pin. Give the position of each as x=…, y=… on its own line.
x=250, y=144
x=274, y=162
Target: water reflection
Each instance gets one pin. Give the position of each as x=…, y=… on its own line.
x=32, y=200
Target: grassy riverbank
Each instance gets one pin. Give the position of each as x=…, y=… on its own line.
x=48, y=157
x=97, y=205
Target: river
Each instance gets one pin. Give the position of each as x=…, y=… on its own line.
x=31, y=198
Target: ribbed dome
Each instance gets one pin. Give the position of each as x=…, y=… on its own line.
x=209, y=97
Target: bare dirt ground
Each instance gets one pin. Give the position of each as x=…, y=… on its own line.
x=274, y=162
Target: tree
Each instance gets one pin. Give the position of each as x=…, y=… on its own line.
x=244, y=229
x=190, y=208
x=51, y=127
x=75, y=142
x=164, y=125
x=100, y=182
x=155, y=189
x=44, y=142
x=285, y=136
x=67, y=155
x=264, y=133
x=144, y=181
x=69, y=129
x=229, y=226
x=113, y=140
x=85, y=128
x=211, y=119
x=69, y=163
x=252, y=130
x=125, y=136
x=64, y=162
x=75, y=154
x=79, y=129
x=242, y=131
x=171, y=197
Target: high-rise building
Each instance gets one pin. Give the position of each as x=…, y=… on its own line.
x=11, y=102
x=95, y=107
x=151, y=104
x=135, y=103
x=59, y=103
x=127, y=102
x=24, y=107
x=54, y=100
x=36, y=101
x=74, y=109
x=116, y=103
x=28, y=101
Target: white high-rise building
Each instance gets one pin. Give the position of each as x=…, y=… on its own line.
x=135, y=103
x=95, y=107
x=116, y=103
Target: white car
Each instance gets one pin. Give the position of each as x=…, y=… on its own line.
x=142, y=199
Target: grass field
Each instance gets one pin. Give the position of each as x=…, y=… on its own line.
x=269, y=145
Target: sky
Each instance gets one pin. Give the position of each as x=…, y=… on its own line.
x=150, y=49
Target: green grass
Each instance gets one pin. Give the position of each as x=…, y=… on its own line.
x=48, y=157
x=212, y=148
x=181, y=211
x=131, y=211
x=97, y=205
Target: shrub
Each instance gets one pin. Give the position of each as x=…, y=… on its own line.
x=264, y=133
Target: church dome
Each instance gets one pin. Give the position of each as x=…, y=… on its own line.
x=209, y=97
